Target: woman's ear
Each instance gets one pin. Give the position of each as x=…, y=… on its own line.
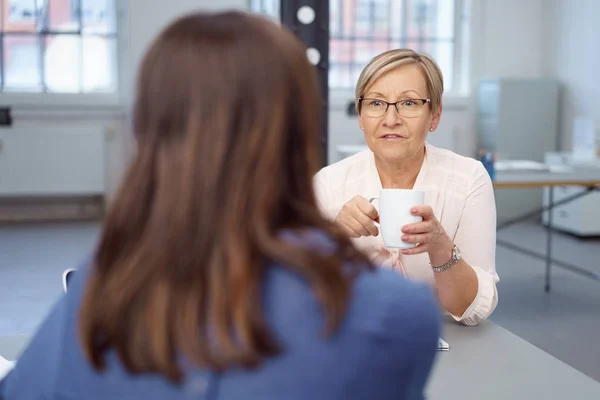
x=435, y=121
x=360, y=121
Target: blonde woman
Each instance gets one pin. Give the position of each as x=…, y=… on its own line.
x=399, y=102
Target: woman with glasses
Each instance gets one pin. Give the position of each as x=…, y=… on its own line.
x=216, y=275
x=399, y=102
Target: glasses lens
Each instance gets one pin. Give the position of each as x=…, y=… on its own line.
x=410, y=108
x=373, y=107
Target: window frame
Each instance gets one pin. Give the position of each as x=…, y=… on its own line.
x=109, y=102
x=461, y=82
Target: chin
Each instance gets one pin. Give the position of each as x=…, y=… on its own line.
x=391, y=154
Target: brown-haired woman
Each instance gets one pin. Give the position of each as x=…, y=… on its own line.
x=216, y=274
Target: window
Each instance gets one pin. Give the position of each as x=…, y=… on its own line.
x=58, y=46
x=361, y=29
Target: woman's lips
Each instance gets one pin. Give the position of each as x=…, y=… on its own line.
x=392, y=136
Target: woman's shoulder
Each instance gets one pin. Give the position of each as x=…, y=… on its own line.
x=448, y=158
x=384, y=289
x=456, y=167
x=388, y=305
x=371, y=285
x=349, y=168
x=382, y=303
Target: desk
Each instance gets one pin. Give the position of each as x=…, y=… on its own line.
x=585, y=177
x=11, y=346
x=580, y=176
x=484, y=362
x=487, y=362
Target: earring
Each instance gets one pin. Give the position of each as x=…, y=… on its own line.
x=430, y=129
x=362, y=128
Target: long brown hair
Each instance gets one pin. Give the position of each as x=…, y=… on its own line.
x=227, y=123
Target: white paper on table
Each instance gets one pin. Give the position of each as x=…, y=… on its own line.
x=442, y=345
x=5, y=366
x=520, y=165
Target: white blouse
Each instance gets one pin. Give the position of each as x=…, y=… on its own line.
x=460, y=192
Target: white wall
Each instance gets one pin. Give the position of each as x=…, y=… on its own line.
x=507, y=39
x=572, y=54
x=146, y=18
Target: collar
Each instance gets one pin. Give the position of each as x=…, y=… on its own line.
x=372, y=182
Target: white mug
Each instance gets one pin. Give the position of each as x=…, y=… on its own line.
x=394, y=213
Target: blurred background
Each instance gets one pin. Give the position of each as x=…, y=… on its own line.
x=520, y=80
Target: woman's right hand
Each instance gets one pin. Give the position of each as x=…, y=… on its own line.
x=358, y=217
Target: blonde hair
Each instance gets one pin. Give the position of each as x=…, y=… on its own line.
x=395, y=58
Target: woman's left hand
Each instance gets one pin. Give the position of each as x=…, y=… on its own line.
x=429, y=235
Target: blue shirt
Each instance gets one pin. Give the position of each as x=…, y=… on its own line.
x=384, y=349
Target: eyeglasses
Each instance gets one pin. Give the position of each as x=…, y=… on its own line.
x=376, y=108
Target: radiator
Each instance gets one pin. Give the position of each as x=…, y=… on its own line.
x=52, y=172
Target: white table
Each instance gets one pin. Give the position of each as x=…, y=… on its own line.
x=485, y=362
x=578, y=176
x=11, y=346
x=588, y=177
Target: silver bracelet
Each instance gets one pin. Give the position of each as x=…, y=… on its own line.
x=453, y=261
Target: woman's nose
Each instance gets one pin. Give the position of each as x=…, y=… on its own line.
x=392, y=117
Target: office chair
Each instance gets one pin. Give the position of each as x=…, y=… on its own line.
x=67, y=275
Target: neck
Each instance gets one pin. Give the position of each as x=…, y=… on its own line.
x=401, y=174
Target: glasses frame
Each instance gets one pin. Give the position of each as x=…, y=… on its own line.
x=395, y=104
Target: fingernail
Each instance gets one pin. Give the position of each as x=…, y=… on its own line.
x=404, y=251
x=404, y=238
x=414, y=211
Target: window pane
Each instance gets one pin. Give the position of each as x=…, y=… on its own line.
x=365, y=50
x=24, y=16
x=396, y=15
x=356, y=70
x=444, y=23
x=339, y=75
x=268, y=7
x=62, y=63
x=379, y=46
x=21, y=60
x=340, y=57
x=340, y=51
x=99, y=16
x=420, y=18
x=443, y=53
x=62, y=46
x=415, y=45
x=339, y=62
x=430, y=18
x=372, y=18
x=362, y=51
x=382, y=15
x=349, y=18
x=22, y=11
x=99, y=64
x=364, y=20
x=335, y=17
x=63, y=15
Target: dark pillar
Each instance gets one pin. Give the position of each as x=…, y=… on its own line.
x=314, y=35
